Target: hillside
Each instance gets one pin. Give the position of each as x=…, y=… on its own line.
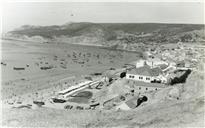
x=166, y=112
x=77, y=29
x=116, y=35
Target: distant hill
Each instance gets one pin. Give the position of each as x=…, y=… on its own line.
x=77, y=29
x=113, y=34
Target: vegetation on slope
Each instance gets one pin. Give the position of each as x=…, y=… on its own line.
x=125, y=32
x=187, y=111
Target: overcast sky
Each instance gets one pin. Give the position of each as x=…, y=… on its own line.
x=16, y=14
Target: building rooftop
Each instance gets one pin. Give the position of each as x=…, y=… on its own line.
x=146, y=71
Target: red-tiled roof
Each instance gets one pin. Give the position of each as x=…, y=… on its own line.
x=155, y=71
x=146, y=71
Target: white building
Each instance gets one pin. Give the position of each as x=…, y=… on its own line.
x=140, y=63
x=144, y=87
x=146, y=74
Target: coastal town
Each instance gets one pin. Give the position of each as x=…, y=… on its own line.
x=130, y=87
x=119, y=64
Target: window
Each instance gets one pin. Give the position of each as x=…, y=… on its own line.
x=140, y=77
x=131, y=76
x=147, y=78
x=146, y=88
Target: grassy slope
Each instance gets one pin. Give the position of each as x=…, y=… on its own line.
x=165, y=113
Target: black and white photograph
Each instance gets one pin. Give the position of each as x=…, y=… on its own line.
x=103, y=64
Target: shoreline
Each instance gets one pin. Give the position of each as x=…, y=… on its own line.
x=79, y=44
x=95, y=68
